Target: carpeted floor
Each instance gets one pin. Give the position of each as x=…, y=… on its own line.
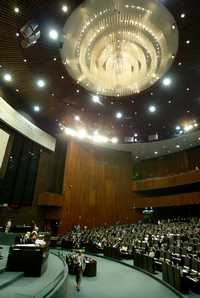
x=118, y=281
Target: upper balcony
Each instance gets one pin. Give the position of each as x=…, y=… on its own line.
x=186, y=178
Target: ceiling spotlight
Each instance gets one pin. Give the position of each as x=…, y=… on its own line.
x=156, y=152
x=36, y=108
x=41, y=83
x=17, y=90
x=152, y=109
x=182, y=15
x=180, y=63
x=188, y=127
x=53, y=34
x=77, y=91
x=64, y=8
x=77, y=118
x=167, y=82
x=7, y=77
x=135, y=135
x=54, y=59
x=16, y=10
x=188, y=89
x=70, y=132
x=187, y=41
x=62, y=77
x=25, y=60
x=82, y=133
x=119, y=115
x=114, y=140
x=96, y=99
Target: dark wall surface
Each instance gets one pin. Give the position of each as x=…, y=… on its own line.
x=171, y=164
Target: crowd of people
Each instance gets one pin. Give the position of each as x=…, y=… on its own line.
x=151, y=237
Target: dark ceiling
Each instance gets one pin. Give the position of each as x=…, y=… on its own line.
x=59, y=100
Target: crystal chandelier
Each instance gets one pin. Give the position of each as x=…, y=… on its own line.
x=119, y=47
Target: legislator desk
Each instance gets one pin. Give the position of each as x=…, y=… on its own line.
x=90, y=268
x=112, y=252
x=28, y=258
x=67, y=244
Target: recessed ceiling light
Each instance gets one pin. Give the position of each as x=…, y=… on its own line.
x=77, y=118
x=137, y=157
x=16, y=10
x=41, y=83
x=152, y=109
x=178, y=127
x=77, y=91
x=25, y=60
x=17, y=90
x=199, y=138
x=17, y=34
x=180, y=63
x=135, y=135
x=173, y=27
x=96, y=99
x=114, y=140
x=36, y=108
x=64, y=8
x=156, y=152
x=178, y=146
x=183, y=15
x=52, y=94
x=54, y=59
x=169, y=101
x=7, y=77
x=53, y=34
x=119, y=115
x=167, y=82
x=188, y=89
x=187, y=41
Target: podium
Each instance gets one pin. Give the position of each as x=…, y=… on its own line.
x=28, y=258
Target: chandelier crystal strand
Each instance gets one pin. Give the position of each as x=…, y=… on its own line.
x=119, y=48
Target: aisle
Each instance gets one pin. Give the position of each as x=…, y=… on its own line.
x=118, y=281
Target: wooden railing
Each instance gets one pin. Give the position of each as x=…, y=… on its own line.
x=166, y=182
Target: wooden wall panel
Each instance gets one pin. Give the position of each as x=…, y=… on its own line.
x=97, y=187
x=166, y=201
